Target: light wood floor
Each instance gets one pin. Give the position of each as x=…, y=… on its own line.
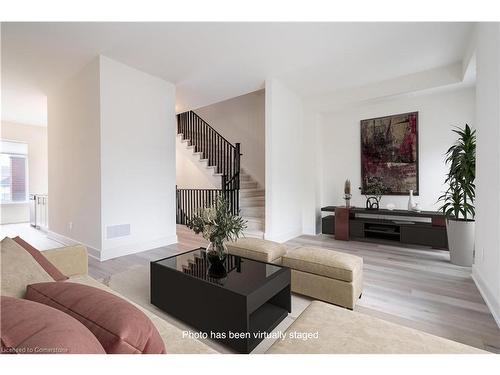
x=419, y=288
x=415, y=287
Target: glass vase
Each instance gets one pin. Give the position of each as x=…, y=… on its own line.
x=216, y=255
x=216, y=252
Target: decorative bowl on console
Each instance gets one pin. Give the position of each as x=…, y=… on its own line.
x=374, y=189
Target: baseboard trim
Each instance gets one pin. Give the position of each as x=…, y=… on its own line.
x=283, y=237
x=93, y=252
x=128, y=249
x=488, y=297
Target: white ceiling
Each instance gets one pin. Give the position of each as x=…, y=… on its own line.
x=210, y=62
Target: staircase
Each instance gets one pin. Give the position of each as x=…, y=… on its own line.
x=252, y=205
x=220, y=160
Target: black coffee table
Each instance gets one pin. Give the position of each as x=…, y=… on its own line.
x=252, y=299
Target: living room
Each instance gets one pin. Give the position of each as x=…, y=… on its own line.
x=335, y=183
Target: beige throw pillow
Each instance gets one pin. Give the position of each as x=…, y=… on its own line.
x=18, y=269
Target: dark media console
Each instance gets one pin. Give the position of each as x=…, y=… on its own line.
x=426, y=228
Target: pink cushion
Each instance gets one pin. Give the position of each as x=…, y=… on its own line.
x=32, y=328
x=119, y=326
x=41, y=260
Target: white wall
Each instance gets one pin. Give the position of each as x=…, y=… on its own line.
x=112, y=159
x=312, y=165
x=486, y=268
x=438, y=113
x=284, y=165
x=14, y=213
x=242, y=119
x=36, y=138
x=74, y=159
x=137, y=158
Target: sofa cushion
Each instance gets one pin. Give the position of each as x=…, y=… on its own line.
x=32, y=328
x=41, y=260
x=258, y=249
x=138, y=291
x=324, y=262
x=341, y=331
x=18, y=269
x=70, y=260
x=119, y=326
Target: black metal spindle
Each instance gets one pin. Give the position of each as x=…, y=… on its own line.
x=217, y=155
x=197, y=143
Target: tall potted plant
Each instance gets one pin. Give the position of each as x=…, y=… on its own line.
x=458, y=199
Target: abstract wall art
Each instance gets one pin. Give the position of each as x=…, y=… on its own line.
x=389, y=153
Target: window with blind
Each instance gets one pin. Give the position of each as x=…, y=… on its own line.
x=14, y=168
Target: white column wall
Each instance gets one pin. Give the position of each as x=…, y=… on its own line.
x=486, y=268
x=284, y=164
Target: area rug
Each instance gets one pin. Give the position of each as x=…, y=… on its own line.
x=134, y=284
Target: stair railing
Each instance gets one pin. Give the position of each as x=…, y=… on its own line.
x=221, y=154
x=214, y=147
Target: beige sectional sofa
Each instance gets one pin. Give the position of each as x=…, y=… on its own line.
x=19, y=269
x=338, y=330
x=342, y=331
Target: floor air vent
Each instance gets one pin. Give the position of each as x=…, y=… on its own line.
x=116, y=231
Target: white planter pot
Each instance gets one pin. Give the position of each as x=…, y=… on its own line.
x=461, y=241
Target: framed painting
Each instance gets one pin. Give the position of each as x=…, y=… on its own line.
x=389, y=153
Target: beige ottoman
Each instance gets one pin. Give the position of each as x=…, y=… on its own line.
x=326, y=275
x=257, y=249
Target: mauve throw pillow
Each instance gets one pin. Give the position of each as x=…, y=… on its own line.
x=119, y=326
x=41, y=260
x=28, y=327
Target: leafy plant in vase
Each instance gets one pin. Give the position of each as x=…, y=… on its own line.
x=458, y=199
x=217, y=225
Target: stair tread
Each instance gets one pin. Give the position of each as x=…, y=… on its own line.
x=253, y=195
x=253, y=219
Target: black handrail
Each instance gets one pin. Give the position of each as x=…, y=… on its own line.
x=205, y=122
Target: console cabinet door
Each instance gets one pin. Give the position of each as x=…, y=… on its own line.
x=425, y=236
x=356, y=229
x=328, y=224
